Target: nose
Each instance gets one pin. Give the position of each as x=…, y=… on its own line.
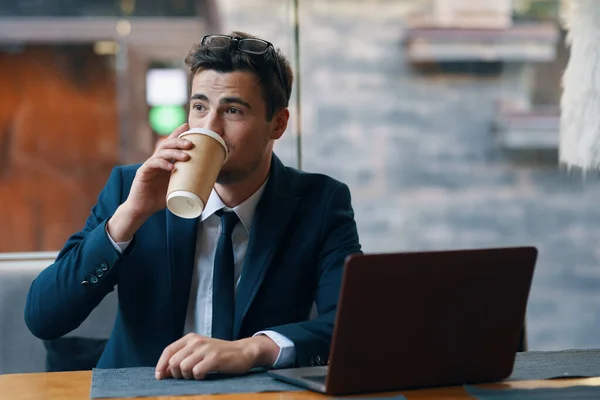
x=214, y=122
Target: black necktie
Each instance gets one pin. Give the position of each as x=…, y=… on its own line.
x=223, y=276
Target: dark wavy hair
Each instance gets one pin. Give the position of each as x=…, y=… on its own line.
x=229, y=59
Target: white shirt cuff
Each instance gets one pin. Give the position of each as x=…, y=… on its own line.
x=119, y=246
x=287, y=350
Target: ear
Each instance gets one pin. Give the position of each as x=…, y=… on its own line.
x=280, y=122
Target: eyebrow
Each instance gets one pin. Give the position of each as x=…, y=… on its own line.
x=224, y=100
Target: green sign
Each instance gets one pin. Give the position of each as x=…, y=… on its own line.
x=164, y=119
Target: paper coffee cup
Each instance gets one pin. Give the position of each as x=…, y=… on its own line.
x=192, y=181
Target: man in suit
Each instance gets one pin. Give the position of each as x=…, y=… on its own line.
x=232, y=289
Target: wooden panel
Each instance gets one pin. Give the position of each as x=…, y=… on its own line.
x=58, y=142
x=76, y=386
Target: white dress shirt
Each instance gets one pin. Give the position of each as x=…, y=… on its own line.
x=199, y=311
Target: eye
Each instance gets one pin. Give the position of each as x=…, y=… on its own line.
x=198, y=107
x=234, y=111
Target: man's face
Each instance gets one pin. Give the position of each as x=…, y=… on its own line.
x=231, y=105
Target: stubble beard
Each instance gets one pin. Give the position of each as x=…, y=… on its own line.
x=228, y=177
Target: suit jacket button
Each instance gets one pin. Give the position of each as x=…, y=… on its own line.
x=318, y=360
x=312, y=361
x=104, y=266
x=99, y=272
x=85, y=284
x=93, y=279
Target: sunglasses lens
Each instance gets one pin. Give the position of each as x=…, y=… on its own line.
x=217, y=42
x=253, y=46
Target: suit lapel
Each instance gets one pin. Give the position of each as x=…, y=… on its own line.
x=181, y=244
x=269, y=225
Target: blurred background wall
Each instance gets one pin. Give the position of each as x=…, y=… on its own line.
x=58, y=142
x=445, y=130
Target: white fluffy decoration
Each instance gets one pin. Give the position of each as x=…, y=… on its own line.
x=580, y=102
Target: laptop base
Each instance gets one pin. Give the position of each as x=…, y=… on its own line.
x=312, y=378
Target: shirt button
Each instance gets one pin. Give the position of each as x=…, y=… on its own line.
x=85, y=284
x=93, y=279
x=99, y=273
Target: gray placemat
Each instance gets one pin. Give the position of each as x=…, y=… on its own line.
x=531, y=365
x=572, y=393
x=140, y=382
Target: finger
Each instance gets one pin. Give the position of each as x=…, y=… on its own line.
x=187, y=365
x=175, y=143
x=157, y=163
x=170, y=155
x=174, y=368
x=179, y=130
x=168, y=352
x=208, y=364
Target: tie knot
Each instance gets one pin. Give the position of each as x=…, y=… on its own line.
x=229, y=220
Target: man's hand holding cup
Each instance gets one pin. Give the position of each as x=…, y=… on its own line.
x=149, y=187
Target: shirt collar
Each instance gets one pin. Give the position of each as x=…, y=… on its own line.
x=244, y=211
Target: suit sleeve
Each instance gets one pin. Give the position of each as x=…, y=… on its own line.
x=339, y=238
x=85, y=271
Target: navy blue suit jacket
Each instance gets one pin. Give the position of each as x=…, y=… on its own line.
x=302, y=231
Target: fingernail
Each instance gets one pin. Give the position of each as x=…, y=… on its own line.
x=157, y=375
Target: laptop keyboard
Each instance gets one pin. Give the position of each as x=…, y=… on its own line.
x=316, y=378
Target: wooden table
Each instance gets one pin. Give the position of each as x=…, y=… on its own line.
x=76, y=386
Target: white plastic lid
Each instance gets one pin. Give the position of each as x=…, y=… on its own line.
x=208, y=132
x=185, y=204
